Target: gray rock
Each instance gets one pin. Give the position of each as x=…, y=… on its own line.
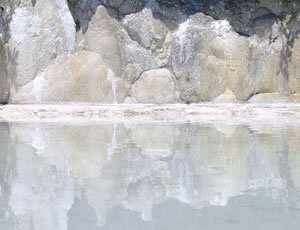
x=135, y=59
x=151, y=33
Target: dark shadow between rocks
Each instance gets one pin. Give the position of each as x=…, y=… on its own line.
x=241, y=14
x=82, y=12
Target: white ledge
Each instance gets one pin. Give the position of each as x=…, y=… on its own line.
x=206, y=112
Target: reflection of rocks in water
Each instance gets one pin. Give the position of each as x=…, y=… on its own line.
x=81, y=216
x=155, y=141
x=66, y=171
x=242, y=212
x=39, y=191
x=5, y=172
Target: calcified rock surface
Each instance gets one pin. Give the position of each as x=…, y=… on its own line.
x=153, y=51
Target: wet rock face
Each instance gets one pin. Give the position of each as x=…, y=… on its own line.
x=208, y=47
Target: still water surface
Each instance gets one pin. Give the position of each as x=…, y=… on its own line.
x=161, y=176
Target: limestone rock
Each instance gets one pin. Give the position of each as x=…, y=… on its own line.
x=102, y=37
x=82, y=77
x=226, y=97
x=249, y=47
x=105, y=36
x=207, y=57
x=155, y=86
x=264, y=63
x=150, y=34
x=273, y=61
x=136, y=59
x=268, y=98
x=292, y=66
x=38, y=33
x=147, y=45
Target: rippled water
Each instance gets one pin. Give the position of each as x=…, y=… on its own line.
x=149, y=176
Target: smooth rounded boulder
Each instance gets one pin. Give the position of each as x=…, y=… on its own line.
x=155, y=86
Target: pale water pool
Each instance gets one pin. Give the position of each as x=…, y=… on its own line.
x=162, y=176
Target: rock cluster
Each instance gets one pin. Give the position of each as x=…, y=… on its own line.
x=149, y=51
